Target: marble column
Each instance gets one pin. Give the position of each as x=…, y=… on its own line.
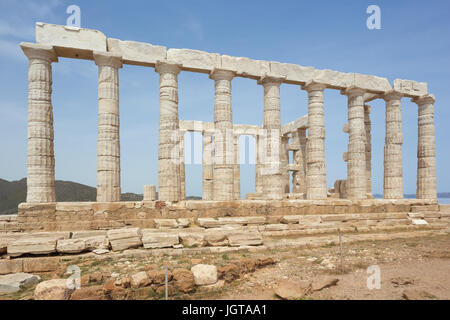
x=236, y=169
x=223, y=137
x=169, y=182
x=316, y=178
x=108, y=137
x=426, y=149
x=207, y=168
x=271, y=173
x=40, y=154
x=182, y=168
x=299, y=159
x=368, y=127
x=258, y=177
x=393, y=168
x=284, y=159
x=356, y=156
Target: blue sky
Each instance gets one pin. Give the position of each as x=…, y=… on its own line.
x=412, y=44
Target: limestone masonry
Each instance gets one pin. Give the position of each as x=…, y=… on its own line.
x=274, y=193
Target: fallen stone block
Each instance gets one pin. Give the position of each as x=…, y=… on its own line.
x=31, y=245
x=245, y=239
x=151, y=239
x=11, y=266
x=192, y=239
x=55, y=289
x=16, y=281
x=39, y=264
x=204, y=274
x=71, y=246
x=166, y=223
x=140, y=279
x=125, y=238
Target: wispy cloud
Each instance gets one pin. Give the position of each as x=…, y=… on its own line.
x=23, y=32
x=10, y=49
x=194, y=27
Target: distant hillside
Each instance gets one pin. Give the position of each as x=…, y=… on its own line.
x=14, y=192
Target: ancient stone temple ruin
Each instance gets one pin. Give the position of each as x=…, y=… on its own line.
x=277, y=201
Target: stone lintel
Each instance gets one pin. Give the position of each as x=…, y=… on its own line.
x=353, y=90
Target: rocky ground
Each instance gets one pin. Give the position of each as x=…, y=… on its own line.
x=413, y=268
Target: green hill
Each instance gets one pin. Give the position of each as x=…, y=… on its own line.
x=14, y=192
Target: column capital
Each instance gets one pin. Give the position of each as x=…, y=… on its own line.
x=165, y=66
x=39, y=51
x=107, y=59
x=271, y=79
x=222, y=74
x=353, y=91
x=392, y=95
x=314, y=86
x=425, y=99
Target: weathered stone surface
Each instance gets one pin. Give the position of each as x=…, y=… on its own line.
x=371, y=83
x=245, y=67
x=322, y=283
x=71, y=42
x=71, y=246
x=11, y=266
x=137, y=53
x=194, y=60
x=419, y=222
x=410, y=88
x=204, y=274
x=166, y=223
x=32, y=245
x=294, y=73
x=140, y=279
x=192, y=239
x=293, y=290
x=55, y=289
x=89, y=293
x=333, y=79
x=16, y=281
x=151, y=239
x=237, y=239
x=242, y=220
x=125, y=238
x=184, y=280
x=41, y=264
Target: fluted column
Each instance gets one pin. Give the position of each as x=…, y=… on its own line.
x=236, y=169
x=316, y=178
x=182, y=168
x=356, y=156
x=284, y=158
x=258, y=166
x=271, y=172
x=426, y=149
x=40, y=154
x=169, y=182
x=223, y=137
x=207, y=168
x=299, y=159
x=368, y=127
x=108, y=138
x=393, y=168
